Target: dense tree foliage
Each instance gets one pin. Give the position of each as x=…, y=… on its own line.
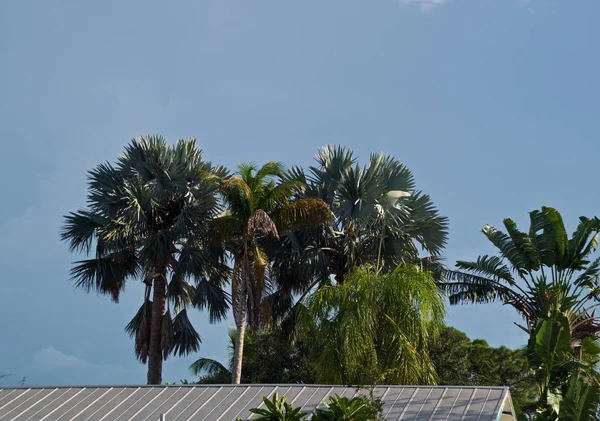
x=460, y=361
x=268, y=358
x=374, y=327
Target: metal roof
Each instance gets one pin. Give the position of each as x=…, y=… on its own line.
x=227, y=402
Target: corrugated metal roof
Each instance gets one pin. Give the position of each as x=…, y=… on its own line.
x=227, y=402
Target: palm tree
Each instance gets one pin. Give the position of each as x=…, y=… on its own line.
x=536, y=271
x=380, y=219
x=379, y=216
x=552, y=282
x=149, y=218
x=375, y=328
x=258, y=208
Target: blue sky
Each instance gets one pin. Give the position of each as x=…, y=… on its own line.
x=492, y=104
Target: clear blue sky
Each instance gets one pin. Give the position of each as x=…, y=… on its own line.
x=493, y=105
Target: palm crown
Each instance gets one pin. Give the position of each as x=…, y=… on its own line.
x=379, y=218
x=148, y=218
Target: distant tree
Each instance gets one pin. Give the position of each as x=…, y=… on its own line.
x=459, y=361
x=268, y=358
x=149, y=217
x=449, y=352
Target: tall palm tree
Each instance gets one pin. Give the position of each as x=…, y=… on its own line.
x=149, y=218
x=379, y=216
x=380, y=219
x=258, y=208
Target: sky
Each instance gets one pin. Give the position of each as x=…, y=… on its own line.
x=492, y=104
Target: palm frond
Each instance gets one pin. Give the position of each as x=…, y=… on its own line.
x=207, y=366
x=463, y=287
x=80, y=229
x=139, y=329
x=523, y=243
x=508, y=249
x=269, y=170
x=261, y=223
x=491, y=266
x=588, y=278
x=426, y=225
x=236, y=186
x=302, y=212
x=185, y=337
x=180, y=292
x=211, y=296
x=167, y=337
x=106, y=275
x=391, y=172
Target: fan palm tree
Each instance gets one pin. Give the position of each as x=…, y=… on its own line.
x=379, y=216
x=380, y=219
x=149, y=218
x=259, y=208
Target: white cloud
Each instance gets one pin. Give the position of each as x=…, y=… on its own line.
x=424, y=5
x=51, y=357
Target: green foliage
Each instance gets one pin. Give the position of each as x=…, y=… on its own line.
x=570, y=280
x=278, y=410
x=555, y=290
x=461, y=362
x=375, y=328
x=149, y=218
x=380, y=218
x=568, y=385
x=344, y=409
x=268, y=358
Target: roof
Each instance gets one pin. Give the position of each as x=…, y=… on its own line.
x=226, y=402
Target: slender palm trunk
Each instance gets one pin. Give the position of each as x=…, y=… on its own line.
x=158, y=310
x=240, y=314
x=239, y=350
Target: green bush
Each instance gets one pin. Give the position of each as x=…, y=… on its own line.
x=278, y=410
x=344, y=409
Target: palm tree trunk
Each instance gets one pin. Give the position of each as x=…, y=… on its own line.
x=240, y=304
x=236, y=375
x=158, y=310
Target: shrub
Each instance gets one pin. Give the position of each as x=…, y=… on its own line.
x=278, y=410
x=343, y=409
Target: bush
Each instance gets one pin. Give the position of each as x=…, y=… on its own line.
x=343, y=409
x=278, y=410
